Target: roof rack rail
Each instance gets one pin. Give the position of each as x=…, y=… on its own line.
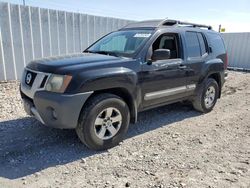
x=164, y=22
x=168, y=22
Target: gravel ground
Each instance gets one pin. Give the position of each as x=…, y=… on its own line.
x=172, y=146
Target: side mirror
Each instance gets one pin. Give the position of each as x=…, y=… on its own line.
x=161, y=54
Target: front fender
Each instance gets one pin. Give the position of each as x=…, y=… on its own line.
x=116, y=79
x=107, y=78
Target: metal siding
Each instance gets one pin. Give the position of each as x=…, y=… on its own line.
x=53, y=32
x=17, y=41
x=6, y=41
x=70, y=28
x=45, y=33
x=35, y=23
x=27, y=33
x=102, y=26
x=109, y=26
x=238, y=47
x=2, y=64
x=62, y=32
x=77, y=37
x=84, y=34
x=91, y=30
x=97, y=27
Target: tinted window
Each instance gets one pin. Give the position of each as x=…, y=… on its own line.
x=216, y=43
x=202, y=44
x=193, y=45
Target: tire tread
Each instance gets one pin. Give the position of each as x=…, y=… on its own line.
x=197, y=102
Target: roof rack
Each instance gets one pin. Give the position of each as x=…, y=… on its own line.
x=168, y=22
x=165, y=22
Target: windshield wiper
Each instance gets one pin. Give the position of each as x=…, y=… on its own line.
x=103, y=52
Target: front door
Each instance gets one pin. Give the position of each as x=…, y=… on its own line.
x=165, y=80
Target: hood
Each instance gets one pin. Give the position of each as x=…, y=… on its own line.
x=69, y=64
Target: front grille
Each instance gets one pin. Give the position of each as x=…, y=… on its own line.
x=44, y=81
x=33, y=81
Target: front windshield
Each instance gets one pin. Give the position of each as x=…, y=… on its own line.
x=121, y=43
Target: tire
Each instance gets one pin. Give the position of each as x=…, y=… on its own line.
x=103, y=122
x=202, y=103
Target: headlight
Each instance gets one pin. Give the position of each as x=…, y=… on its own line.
x=58, y=83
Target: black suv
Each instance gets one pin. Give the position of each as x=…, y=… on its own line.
x=141, y=66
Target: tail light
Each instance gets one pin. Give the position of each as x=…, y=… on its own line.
x=226, y=62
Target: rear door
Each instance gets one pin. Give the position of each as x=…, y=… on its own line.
x=196, y=54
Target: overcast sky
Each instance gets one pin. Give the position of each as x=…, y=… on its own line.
x=234, y=15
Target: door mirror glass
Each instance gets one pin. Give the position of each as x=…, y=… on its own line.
x=161, y=54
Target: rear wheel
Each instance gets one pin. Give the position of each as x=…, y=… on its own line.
x=103, y=122
x=207, y=96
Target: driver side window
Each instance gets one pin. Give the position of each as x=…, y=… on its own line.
x=167, y=41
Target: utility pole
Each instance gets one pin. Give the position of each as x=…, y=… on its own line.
x=23, y=2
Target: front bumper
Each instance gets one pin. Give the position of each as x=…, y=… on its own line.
x=55, y=109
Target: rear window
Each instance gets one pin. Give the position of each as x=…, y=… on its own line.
x=216, y=43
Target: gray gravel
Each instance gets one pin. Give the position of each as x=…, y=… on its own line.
x=172, y=146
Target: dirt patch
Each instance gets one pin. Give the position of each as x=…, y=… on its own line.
x=172, y=146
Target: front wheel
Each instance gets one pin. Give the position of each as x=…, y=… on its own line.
x=103, y=122
x=207, y=96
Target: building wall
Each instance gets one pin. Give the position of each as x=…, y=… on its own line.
x=238, y=47
x=28, y=33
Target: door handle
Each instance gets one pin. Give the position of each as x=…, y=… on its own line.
x=182, y=66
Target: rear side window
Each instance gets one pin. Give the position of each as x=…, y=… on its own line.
x=202, y=44
x=216, y=43
x=193, y=45
x=196, y=46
